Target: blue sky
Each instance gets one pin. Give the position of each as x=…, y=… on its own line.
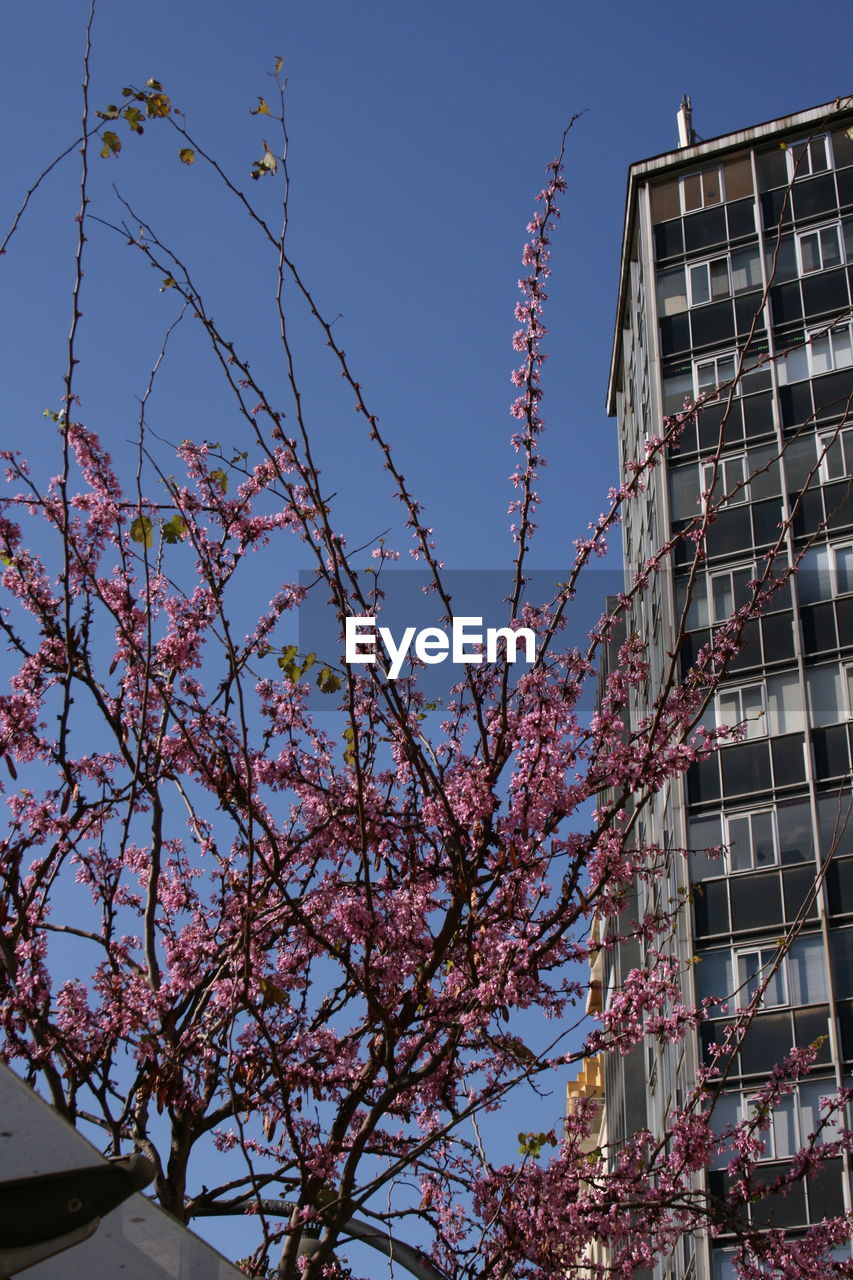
x=419, y=137
x=419, y=134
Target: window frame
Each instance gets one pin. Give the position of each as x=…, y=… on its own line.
x=717, y=170
x=808, y=232
x=796, y=168
x=707, y=264
x=722, y=465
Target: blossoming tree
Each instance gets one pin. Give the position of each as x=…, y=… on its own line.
x=299, y=972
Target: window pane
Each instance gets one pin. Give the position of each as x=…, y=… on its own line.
x=738, y=177
x=692, y=191
x=821, y=357
x=794, y=367
x=781, y=261
x=833, y=458
x=810, y=1094
x=785, y=708
x=683, y=492
x=740, y=844
x=814, y=581
x=699, y=287
x=665, y=201
x=714, y=974
x=784, y=1129
x=817, y=155
x=711, y=186
x=746, y=270
x=724, y=599
x=806, y=980
x=672, y=294
x=842, y=350
x=763, y=845
x=830, y=250
x=844, y=569
x=753, y=711
x=824, y=692
x=795, y=832
x=810, y=252
x=675, y=391
x=720, y=278
x=702, y=834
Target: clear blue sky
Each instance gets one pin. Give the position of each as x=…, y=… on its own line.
x=419, y=136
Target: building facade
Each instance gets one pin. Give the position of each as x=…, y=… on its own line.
x=737, y=272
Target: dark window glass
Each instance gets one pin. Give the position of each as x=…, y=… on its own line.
x=798, y=883
x=835, y=822
x=796, y=404
x=844, y=617
x=775, y=209
x=811, y=1025
x=842, y=148
x=841, y=950
x=814, y=195
x=749, y=654
x=830, y=751
x=741, y=215
x=785, y=302
x=839, y=888
x=711, y=908
x=758, y=414
x=825, y=292
x=766, y=1043
x=713, y=1033
x=778, y=632
x=818, y=628
x=772, y=169
x=777, y=1210
x=845, y=1023
x=766, y=518
x=795, y=833
x=789, y=764
x=746, y=307
x=780, y=258
x=825, y=1189
x=845, y=187
x=674, y=335
x=731, y=532
x=713, y=325
x=809, y=512
x=669, y=239
x=702, y=230
x=838, y=500
x=831, y=392
x=756, y=901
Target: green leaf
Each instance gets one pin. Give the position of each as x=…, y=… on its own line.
x=111, y=113
x=112, y=144
x=308, y=663
x=173, y=530
x=328, y=681
x=7, y=560
x=186, y=155
x=288, y=653
x=168, y=283
x=220, y=479
x=140, y=531
x=273, y=992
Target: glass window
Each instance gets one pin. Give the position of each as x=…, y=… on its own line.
x=805, y=971
x=699, y=190
x=794, y=827
x=751, y=840
x=729, y=591
x=672, y=292
x=826, y=705
x=746, y=270
x=808, y=157
x=815, y=575
x=665, y=201
x=784, y=705
x=744, y=706
x=781, y=260
x=683, y=492
x=709, y=281
x=714, y=974
x=704, y=834
x=726, y=478
x=738, y=175
x=756, y=967
x=713, y=373
x=819, y=249
x=676, y=389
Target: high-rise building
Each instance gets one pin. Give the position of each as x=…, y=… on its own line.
x=736, y=272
